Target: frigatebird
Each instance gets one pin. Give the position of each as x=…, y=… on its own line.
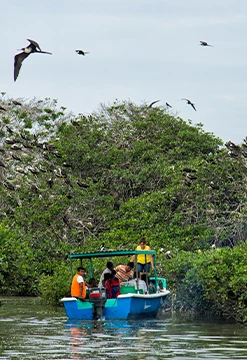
x=15, y=102
x=190, y=103
x=81, y=52
x=152, y=103
x=33, y=47
x=204, y=43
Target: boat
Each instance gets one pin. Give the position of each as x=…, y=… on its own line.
x=130, y=303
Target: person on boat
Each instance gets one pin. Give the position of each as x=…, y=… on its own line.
x=144, y=262
x=108, y=269
x=78, y=286
x=92, y=283
x=124, y=272
x=112, y=285
x=141, y=283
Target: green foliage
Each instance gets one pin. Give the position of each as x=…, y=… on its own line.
x=18, y=271
x=56, y=286
x=69, y=183
x=212, y=281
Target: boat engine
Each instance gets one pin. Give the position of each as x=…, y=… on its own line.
x=97, y=296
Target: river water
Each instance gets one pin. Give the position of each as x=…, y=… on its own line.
x=31, y=330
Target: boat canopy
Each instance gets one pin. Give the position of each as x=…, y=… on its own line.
x=112, y=253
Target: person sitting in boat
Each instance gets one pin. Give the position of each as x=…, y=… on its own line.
x=78, y=286
x=108, y=269
x=92, y=283
x=144, y=262
x=150, y=284
x=141, y=283
x=124, y=272
x=111, y=285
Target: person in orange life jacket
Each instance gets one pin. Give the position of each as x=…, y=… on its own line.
x=144, y=262
x=78, y=286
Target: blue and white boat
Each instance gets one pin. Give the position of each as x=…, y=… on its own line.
x=131, y=303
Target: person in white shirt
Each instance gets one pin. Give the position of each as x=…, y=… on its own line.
x=141, y=284
x=108, y=269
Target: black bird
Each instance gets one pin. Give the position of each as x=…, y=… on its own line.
x=204, y=43
x=168, y=105
x=50, y=182
x=33, y=47
x=8, y=185
x=116, y=205
x=2, y=108
x=190, y=103
x=81, y=52
x=152, y=103
x=15, y=102
x=9, y=130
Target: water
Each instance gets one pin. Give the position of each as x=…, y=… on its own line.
x=30, y=330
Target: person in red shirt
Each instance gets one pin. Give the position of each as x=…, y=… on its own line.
x=112, y=285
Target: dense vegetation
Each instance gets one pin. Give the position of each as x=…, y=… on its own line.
x=70, y=183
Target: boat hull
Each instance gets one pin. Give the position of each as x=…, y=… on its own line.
x=125, y=306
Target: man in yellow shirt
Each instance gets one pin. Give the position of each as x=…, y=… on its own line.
x=144, y=262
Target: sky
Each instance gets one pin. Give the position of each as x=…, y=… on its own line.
x=139, y=50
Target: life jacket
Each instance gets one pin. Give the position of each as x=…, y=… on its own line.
x=75, y=287
x=112, y=288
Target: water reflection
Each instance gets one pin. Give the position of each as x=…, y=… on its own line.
x=30, y=330
x=107, y=339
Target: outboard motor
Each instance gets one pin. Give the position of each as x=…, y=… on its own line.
x=97, y=296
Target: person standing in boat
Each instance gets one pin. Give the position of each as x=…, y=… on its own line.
x=144, y=261
x=108, y=270
x=78, y=286
x=124, y=272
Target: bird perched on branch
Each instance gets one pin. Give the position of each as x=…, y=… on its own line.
x=81, y=52
x=15, y=102
x=190, y=103
x=167, y=253
x=33, y=47
x=204, y=43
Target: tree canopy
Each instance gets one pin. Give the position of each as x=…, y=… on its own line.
x=70, y=183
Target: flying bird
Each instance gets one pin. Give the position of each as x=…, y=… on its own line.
x=152, y=103
x=33, y=47
x=168, y=105
x=190, y=103
x=81, y=52
x=204, y=43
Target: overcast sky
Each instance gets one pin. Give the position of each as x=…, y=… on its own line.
x=140, y=50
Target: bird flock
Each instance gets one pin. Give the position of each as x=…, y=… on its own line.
x=34, y=47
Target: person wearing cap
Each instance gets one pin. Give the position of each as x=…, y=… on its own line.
x=124, y=272
x=108, y=269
